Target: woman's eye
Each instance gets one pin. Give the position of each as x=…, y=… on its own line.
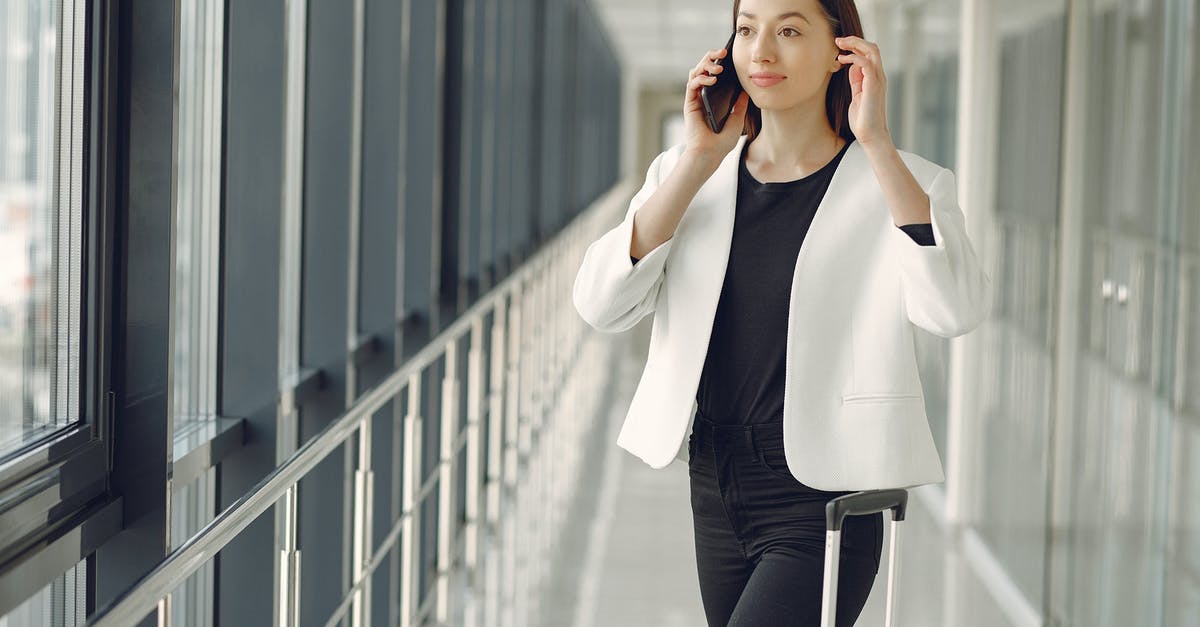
x=745, y=31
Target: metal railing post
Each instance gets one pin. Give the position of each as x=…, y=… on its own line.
x=447, y=461
x=474, y=504
x=411, y=508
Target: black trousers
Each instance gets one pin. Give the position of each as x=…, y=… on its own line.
x=760, y=533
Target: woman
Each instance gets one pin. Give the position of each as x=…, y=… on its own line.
x=794, y=364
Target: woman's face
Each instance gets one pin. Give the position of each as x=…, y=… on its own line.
x=783, y=52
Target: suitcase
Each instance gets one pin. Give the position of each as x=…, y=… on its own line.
x=857, y=504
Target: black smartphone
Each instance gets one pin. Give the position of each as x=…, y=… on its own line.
x=719, y=97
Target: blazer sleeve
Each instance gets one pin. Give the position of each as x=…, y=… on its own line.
x=612, y=293
x=945, y=288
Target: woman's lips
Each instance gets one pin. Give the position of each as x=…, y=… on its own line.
x=766, y=79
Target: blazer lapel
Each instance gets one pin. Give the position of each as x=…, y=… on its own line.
x=705, y=233
x=831, y=248
x=834, y=249
x=700, y=257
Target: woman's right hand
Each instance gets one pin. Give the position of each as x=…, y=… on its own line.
x=701, y=140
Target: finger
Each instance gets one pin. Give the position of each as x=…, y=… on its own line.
x=712, y=56
x=705, y=66
x=853, y=58
x=700, y=81
x=857, y=44
x=863, y=63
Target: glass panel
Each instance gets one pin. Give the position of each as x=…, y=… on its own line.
x=937, y=119
x=196, y=281
x=1008, y=439
x=198, y=213
x=40, y=217
x=63, y=603
x=1124, y=443
x=192, y=508
x=1182, y=370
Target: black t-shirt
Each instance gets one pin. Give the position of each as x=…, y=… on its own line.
x=743, y=376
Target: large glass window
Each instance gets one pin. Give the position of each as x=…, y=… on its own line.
x=1013, y=420
x=41, y=96
x=195, y=285
x=1125, y=551
x=62, y=603
x=197, y=215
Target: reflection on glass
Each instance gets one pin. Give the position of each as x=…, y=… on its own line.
x=1121, y=450
x=62, y=603
x=198, y=214
x=192, y=507
x=1007, y=430
x=1183, y=513
x=40, y=219
x=196, y=281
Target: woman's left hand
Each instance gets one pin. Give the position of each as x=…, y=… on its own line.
x=868, y=89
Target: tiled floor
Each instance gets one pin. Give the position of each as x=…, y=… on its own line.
x=631, y=559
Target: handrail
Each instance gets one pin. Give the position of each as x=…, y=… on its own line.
x=142, y=598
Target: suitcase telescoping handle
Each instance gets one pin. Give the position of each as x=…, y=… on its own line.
x=857, y=504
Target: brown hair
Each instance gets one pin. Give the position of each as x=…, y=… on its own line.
x=843, y=19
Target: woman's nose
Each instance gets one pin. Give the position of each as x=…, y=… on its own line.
x=760, y=52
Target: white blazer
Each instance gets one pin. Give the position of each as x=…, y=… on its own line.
x=853, y=409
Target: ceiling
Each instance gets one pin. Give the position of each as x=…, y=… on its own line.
x=663, y=39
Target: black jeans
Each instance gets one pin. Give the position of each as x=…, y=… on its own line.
x=760, y=533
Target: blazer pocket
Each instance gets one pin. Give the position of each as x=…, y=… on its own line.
x=880, y=397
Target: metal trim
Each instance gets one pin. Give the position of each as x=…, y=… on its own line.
x=308, y=383
x=43, y=455
x=363, y=349
x=203, y=446
x=295, y=385
x=73, y=540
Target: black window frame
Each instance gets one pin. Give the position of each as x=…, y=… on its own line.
x=59, y=484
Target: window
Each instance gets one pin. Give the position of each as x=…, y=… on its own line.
x=41, y=156
x=53, y=331
x=195, y=285
x=62, y=603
